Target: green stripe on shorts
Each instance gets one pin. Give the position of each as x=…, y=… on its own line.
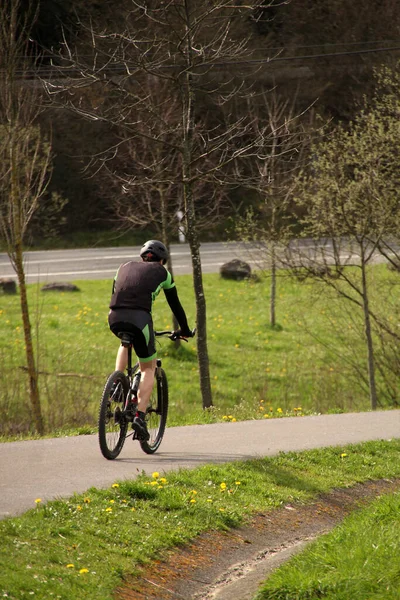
x=146, y=333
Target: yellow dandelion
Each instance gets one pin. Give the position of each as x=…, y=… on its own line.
x=343, y=455
x=223, y=486
x=155, y=475
x=109, y=509
x=87, y=500
x=82, y=571
x=70, y=566
x=38, y=500
x=193, y=500
x=133, y=509
x=233, y=420
x=79, y=507
x=279, y=410
x=153, y=482
x=163, y=481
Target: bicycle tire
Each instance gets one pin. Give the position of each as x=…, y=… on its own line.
x=112, y=424
x=156, y=414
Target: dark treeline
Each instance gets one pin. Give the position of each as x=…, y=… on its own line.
x=323, y=54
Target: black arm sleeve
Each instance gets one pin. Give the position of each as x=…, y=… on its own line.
x=177, y=308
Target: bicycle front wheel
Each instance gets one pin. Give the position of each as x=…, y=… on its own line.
x=156, y=414
x=112, y=422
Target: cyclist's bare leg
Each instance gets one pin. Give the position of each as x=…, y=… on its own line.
x=122, y=359
x=146, y=383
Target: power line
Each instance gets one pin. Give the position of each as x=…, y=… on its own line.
x=307, y=56
x=207, y=64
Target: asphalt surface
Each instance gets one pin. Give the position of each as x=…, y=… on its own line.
x=59, y=467
x=49, y=266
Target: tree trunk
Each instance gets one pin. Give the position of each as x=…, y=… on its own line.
x=188, y=126
x=272, y=302
x=368, y=337
x=201, y=321
x=30, y=358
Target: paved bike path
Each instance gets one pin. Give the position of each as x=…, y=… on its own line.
x=59, y=467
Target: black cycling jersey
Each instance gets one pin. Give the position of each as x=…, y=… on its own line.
x=137, y=284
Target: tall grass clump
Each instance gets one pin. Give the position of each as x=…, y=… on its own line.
x=356, y=560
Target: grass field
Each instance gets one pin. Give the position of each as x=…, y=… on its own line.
x=312, y=361
x=86, y=546
x=356, y=560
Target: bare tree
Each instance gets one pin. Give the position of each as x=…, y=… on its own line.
x=142, y=173
x=24, y=157
x=353, y=212
x=270, y=177
x=202, y=50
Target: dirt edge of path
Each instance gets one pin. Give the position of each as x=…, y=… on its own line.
x=215, y=559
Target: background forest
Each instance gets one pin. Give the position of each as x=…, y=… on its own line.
x=318, y=57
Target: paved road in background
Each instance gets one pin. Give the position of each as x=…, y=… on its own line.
x=59, y=467
x=101, y=263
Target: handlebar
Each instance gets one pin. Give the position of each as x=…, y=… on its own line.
x=171, y=335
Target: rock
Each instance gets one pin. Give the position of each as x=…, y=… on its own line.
x=9, y=286
x=60, y=287
x=236, y=269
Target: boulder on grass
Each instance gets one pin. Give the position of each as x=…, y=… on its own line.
x=235, y=269
x=8, y=285
x=60, y=287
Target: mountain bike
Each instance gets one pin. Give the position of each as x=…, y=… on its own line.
x=119, y=401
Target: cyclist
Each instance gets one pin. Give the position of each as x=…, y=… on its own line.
x=134, y=290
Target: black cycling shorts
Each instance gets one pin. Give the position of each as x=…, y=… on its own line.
x=140, y=324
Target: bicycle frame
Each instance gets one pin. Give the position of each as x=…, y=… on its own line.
x=134, y=374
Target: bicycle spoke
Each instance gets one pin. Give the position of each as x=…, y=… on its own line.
x=112, y=423
x=156, y=415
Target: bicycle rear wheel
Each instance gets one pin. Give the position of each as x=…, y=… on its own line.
x=156, y=414
x=112, y=423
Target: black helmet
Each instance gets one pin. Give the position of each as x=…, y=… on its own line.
x=153, y=250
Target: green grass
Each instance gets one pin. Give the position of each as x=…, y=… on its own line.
x=358, y=559
x=85, y=546
x=307, y=364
